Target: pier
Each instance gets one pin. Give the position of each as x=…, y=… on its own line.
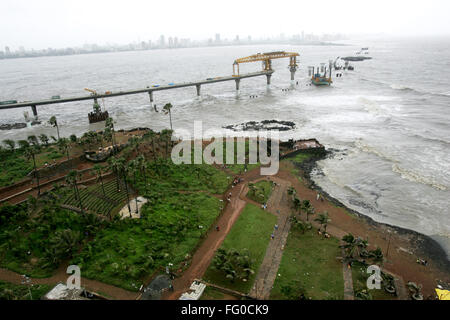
x=149, y=90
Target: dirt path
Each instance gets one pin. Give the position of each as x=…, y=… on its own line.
x=110, y=291
x=267, y=273
x=213, y=241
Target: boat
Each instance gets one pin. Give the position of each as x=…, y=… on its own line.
x=319, y=76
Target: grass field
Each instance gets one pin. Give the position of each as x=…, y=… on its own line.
x=130, y=249
x=260, y=191
x=309, y=267
x=251, y=231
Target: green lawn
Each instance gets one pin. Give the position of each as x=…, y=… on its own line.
x=309, y=267
x=251, y=231
x=128, y=250
x=260, y=191
x=9, y=291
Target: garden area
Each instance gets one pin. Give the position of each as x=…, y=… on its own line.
x=35, y=238
x=237, y=262
x=260, y=191
x=9, y=291
x=309, y=268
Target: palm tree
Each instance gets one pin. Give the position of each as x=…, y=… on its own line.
x=166, y=109
x=166, y=135
x=114, y=166
x=10, y=144
x=125, y=170
x=30, y=152
x=132, y=167
x=143, y=167
x=54, y=123
x=98, y=169
x=307, y=208
x=63, y=146
x=71, y=179
x=23, y=144
x=377, y=256
x=109, y=124
x=297, y=203
x=152, y=135
x=349, y=245
x=44, y=139
x=33, y=140
x=323, y=220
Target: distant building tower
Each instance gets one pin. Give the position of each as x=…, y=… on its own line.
x=7, y=51
x=175, y=42
x=217, y=37
x=170, y=42
x=237, y=38
x=162, y=41
x=249, y=38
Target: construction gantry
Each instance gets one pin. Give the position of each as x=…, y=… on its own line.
x=266, y=59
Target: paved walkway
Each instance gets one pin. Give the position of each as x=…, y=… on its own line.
x=269, y=268
x=348, y=279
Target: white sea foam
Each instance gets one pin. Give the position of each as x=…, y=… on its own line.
x=416, y=177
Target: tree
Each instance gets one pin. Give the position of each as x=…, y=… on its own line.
x=30, y=152
x=23, y=144
x=323, y=220
x=166, y=110
x=98, y=169
x=54, y=123
x=298, y=224
x=125, y=170
x=114, y=166
x=349, y=245
x=376, y=255
x=152, y=136
x=307, y=208
x=109, y=124
x=33, y=140
x=142, y=164
x=44, y=139
x=63, y=146
x=71, y=179
x=166, y=135
x=73, y=138
x=133, y=167
x=10, y=144
x=235, y=264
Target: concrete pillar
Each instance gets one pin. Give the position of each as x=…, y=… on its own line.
x=34, y=112
x=198, y=89
x=238, y=81
x=150, y=93
x=293, y=70
x=268, y=78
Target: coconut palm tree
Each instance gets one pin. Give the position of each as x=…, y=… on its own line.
x=133, y=167
x=142, y=165
x=152, y=136
x=114, y=166
x=349, y=245
x=166, y=135
x=63, y=146
x=30, y=152
x=54, y=123
x=10, y=144
x=323, y=220
x=44, y=139
x=109, y=124
x=377, y=256
x=307, y=208
x=71, y=179
x=98, y=169
x=166, y=110
x=124, y=169
x=33, y=140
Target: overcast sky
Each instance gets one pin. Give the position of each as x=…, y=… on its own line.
x=60, y=23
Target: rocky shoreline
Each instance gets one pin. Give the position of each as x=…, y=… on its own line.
x=424, y=245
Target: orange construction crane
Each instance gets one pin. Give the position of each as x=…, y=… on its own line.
x=266, y=59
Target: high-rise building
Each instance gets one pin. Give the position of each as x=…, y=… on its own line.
x=170, y=42
x=162, y=41
x=217, y=37
x=7, y=51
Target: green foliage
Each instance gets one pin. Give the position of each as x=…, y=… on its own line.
x=9, y=291
x=260, y=191
x=250, y=233
x=234, y=264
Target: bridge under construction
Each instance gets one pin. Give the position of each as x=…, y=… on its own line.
x=267, y=71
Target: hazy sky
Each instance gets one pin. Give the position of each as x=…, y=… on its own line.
x=60, y=23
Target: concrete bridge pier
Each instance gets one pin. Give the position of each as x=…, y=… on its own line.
x=198, y=89
x=268, y=78
x=150, y=93
x=292, y=70
x=238, y=81
x=35, y=114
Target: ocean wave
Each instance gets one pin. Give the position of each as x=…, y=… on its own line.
x=415, y=177
x=402, y=87
x=360, y=145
